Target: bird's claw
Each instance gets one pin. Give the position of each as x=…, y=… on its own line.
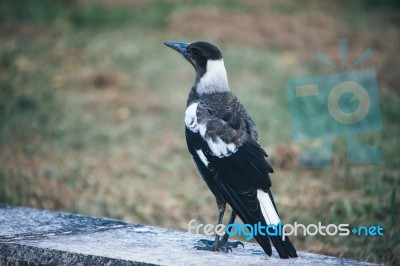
x=223, y=246
x=206, y=242
x=233, y=244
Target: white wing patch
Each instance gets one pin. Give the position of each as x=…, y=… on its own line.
x=267, y=208
x=202, y=157
x=218, y=147
x=191, y=117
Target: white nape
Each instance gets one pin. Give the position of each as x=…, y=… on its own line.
x=202, y=157
x=267, y=208
x=215, y=78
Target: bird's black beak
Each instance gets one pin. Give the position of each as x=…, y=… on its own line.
x=181, y=47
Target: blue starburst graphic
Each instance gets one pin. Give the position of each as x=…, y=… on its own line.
x=345, y=103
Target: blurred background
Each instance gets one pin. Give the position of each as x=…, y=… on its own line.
x=92, y=103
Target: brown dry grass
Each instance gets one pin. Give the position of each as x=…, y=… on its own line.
x=311, y=29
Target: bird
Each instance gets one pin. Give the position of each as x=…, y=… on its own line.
x=223, y=141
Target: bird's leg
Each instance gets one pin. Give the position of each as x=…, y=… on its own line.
x=216, y=244
x=220, y=244
x=231, y=221
x=224, y=241
x=221, y=211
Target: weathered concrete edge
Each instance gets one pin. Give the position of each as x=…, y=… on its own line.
x=95, y=241
x=20, y=254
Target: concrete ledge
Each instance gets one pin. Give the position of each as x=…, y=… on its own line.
x=31, y=237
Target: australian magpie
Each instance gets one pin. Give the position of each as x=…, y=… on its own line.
x=223, y=141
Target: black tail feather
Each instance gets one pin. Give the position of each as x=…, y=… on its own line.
x=284, y=247
x=239, y=203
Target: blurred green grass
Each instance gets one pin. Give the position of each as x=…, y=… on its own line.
x=91, y=108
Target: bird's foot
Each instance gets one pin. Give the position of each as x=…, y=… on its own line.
x=232, y=244
x=223, y=246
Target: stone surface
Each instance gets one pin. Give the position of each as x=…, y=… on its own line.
x=29, y=236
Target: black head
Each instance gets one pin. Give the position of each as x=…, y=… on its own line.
x=197, y=53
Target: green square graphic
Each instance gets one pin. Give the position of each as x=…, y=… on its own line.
x=331, y=105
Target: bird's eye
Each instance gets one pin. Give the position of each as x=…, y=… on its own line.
x=195, y=52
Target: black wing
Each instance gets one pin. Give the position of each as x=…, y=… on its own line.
x=239, y=166
x=195, y=143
